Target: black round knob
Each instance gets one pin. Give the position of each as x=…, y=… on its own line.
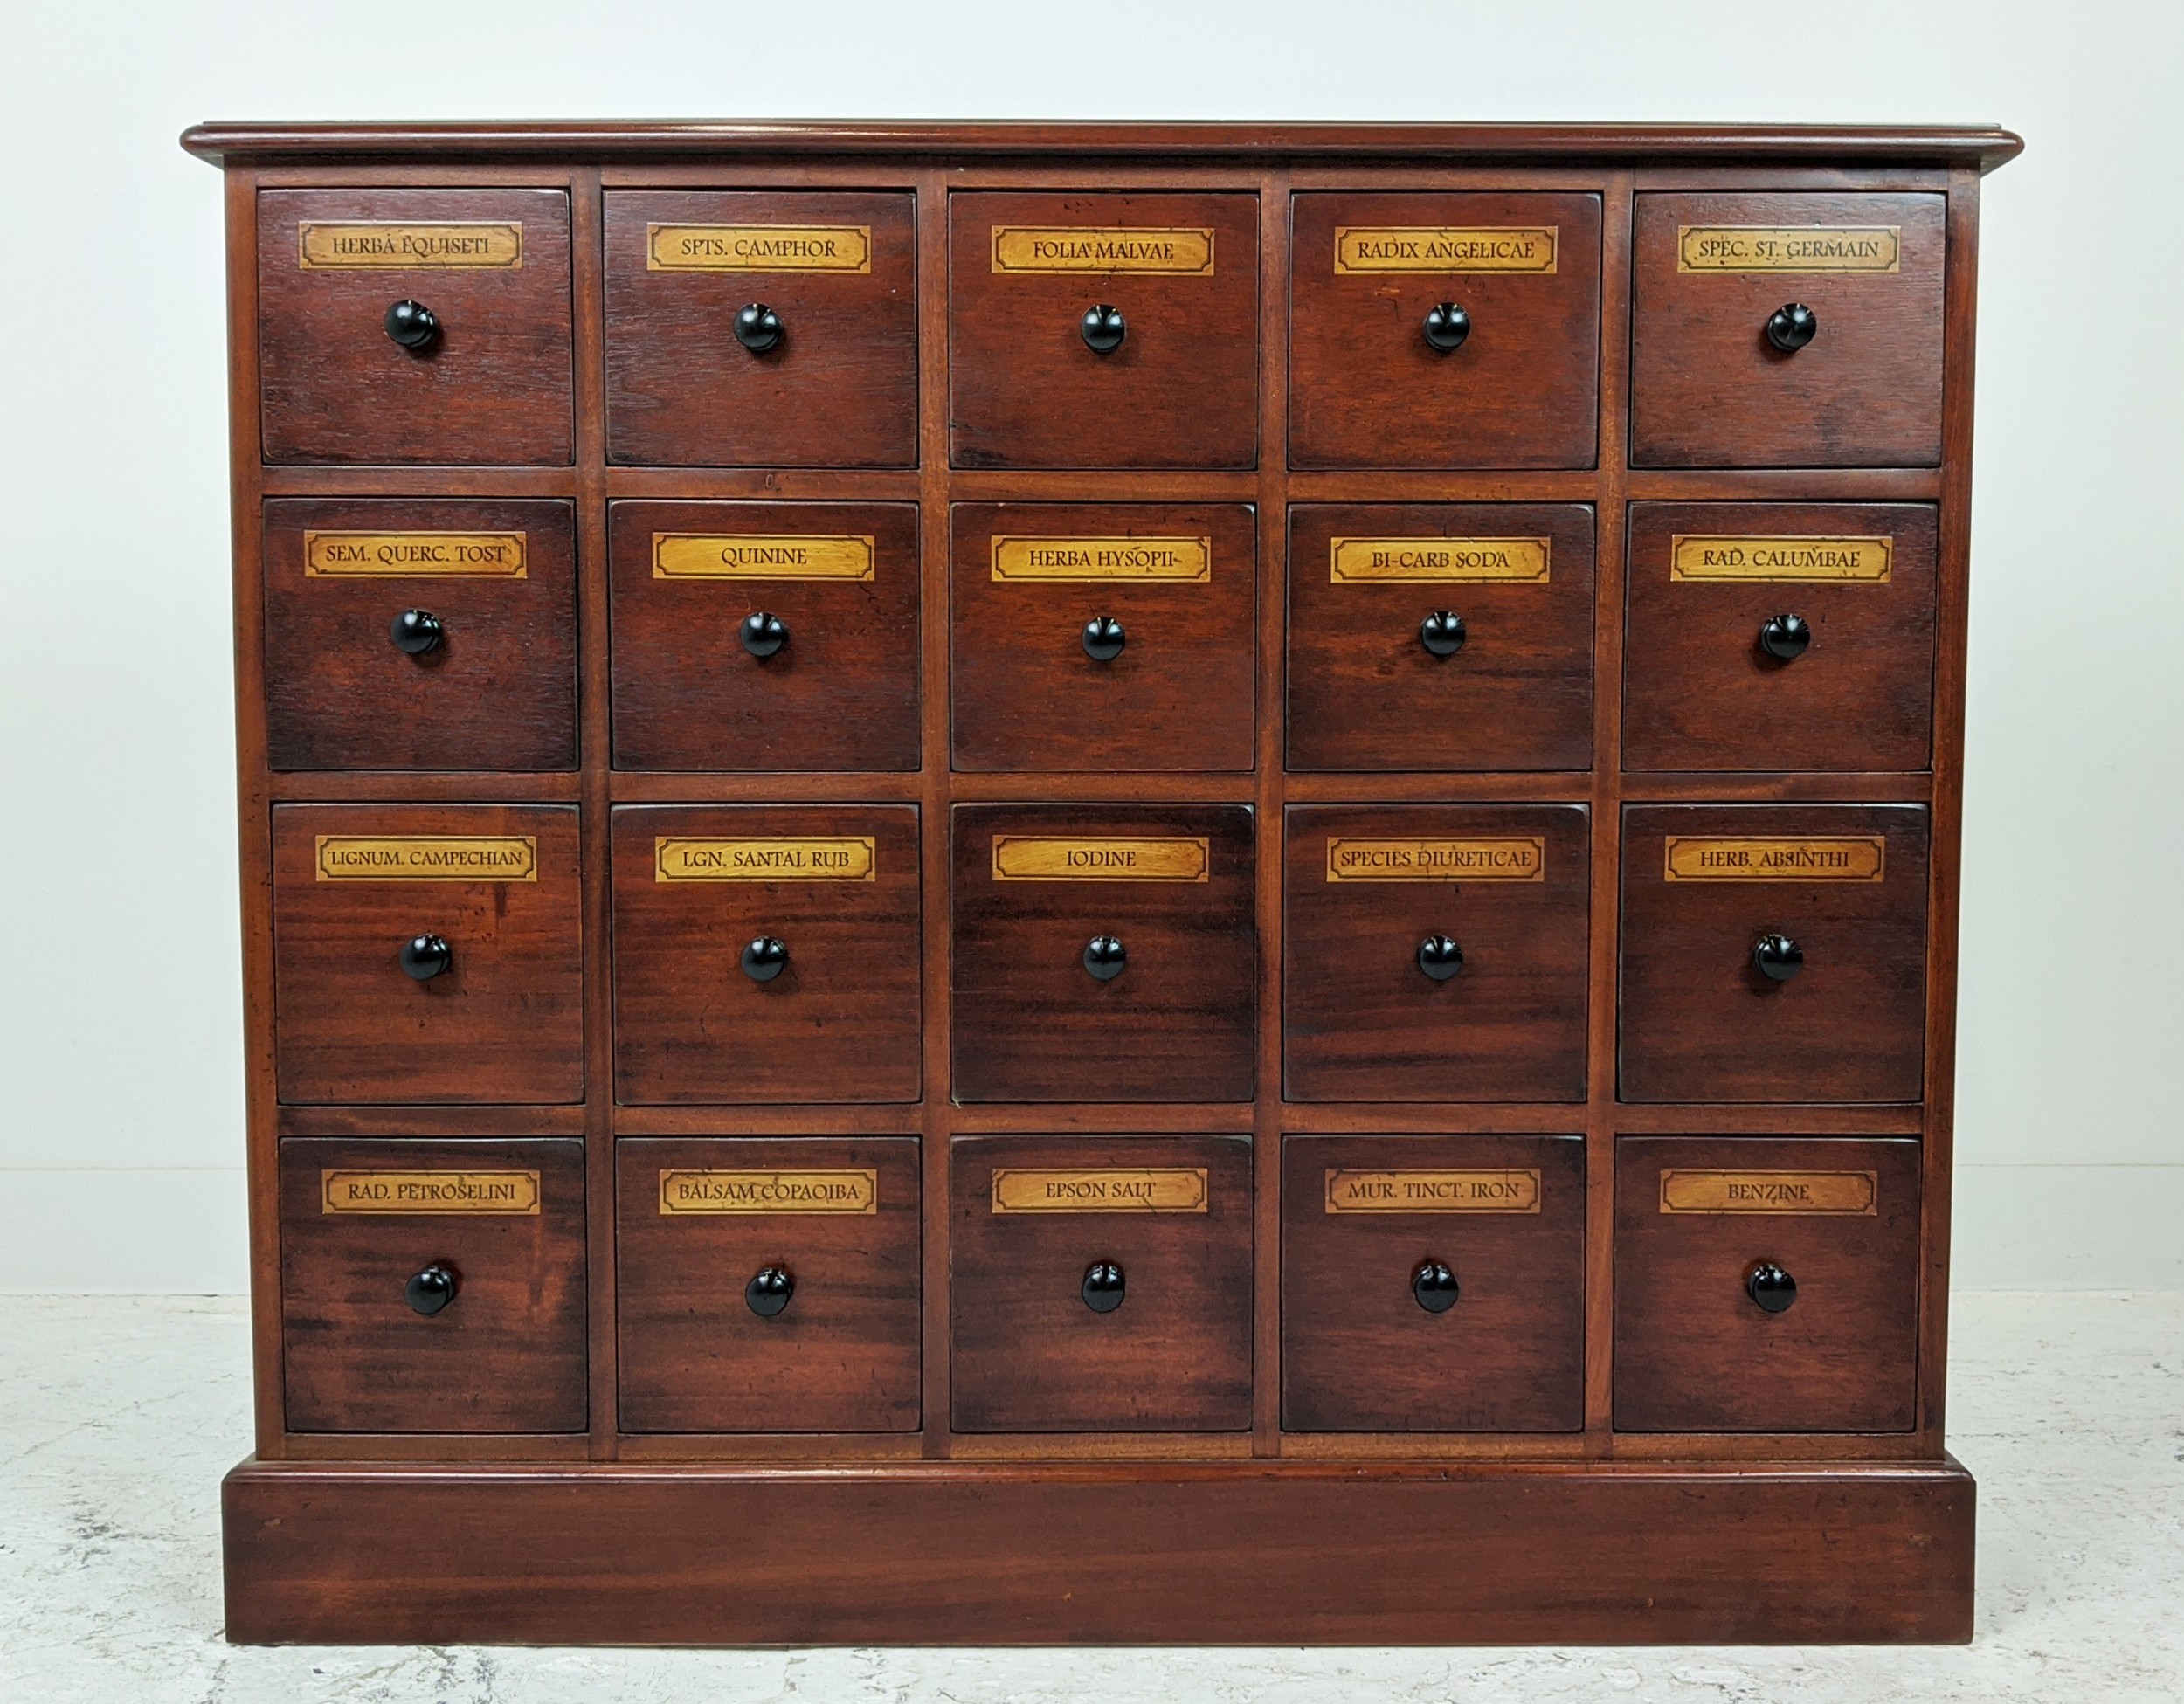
x=757, y=327
x=1770, y=1287
x=1104, y=637
x=416, y=631
x=768, y=1290
x=1434, y=1286
x=765, y=958
x=1446, y=326
x=1103, y=328
x=431, y=1289
x=425, y=956
x=413, y=325
x=1777, y=958
x=1104, y=958
x=1439, y=957
x=1102, y=1287
x=763, y=634
x=1786, y=637
x=1442, y=632
x=1790, y=327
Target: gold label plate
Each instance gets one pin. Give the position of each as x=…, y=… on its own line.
x=1504, y=1191
x=769, y=1192
x=1515, y=858
x=1185, y=252
x=511, y=1192
x=757, y=248
x=344, y=556
x=1180, y=559
x=1788, y=561
x=1104, y=858
x=1385, y=248
x=427, y=857
x=762, y=556
x=1852, y=1193
x=372, y=245
x=1789, y=248
x=1824, y=858
x=1417, y=561
x=830, y=857
x=1106, y=1189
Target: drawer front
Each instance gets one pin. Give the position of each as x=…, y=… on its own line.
x=830, y=380
x=427, y=953
x=1709, y=387
x=1045, y=895
x=488, y=382
x=1100, y=1284
x=432, y=1287
x=1825, y=1232
x=1441, y=636
x=1027, y=388
x=766, y=954
x=412, y=635
x=1517, y=385
x=1435, y=953
x=1773, y=953
x=1433, y=1283
x=1105, y=636
x=1779, y=635
x=767, y=1285
x=704, y=680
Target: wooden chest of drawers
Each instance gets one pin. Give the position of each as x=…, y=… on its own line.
x=1100, y=883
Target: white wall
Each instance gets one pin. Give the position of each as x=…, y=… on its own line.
x=120, y=1087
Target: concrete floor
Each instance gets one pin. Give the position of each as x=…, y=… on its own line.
x=117, y=1416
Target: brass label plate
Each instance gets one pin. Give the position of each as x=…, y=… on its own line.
x=682, y=1192
x=1512, y=858
x=828, y=858
x=1101, y=858
x=1189, y=560
x=1851, y=1193
x=1788, y=560
x=371, y=245
x=345, y=555
x=427, y=857
x=511, y=1192
x=1789, y=248
x=1180, y=251
x=1504, y=1191
x=757, y=248
x=763, y=556
x=1105, y=1189
x=1407, y=248
x=1417, y=561
x=1823, y=857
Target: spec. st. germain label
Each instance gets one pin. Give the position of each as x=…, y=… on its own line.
x=1506, y=1191
x=769, y=1192
x=1515, y=858
x=1185, y=559
x=1854, y=1193
x=1799, y=560
x=1380, y=248
x=1107, y=857
x=427, y=857
x=1038, y=248
x=834, y=858
x=398, y=246
x=1105, y=1189
x=343, y=556
x=1789, y=248
x=513, y=1192
x=1826, y=857
x=1429, y=560
x=762, y=556
x=758, y=248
